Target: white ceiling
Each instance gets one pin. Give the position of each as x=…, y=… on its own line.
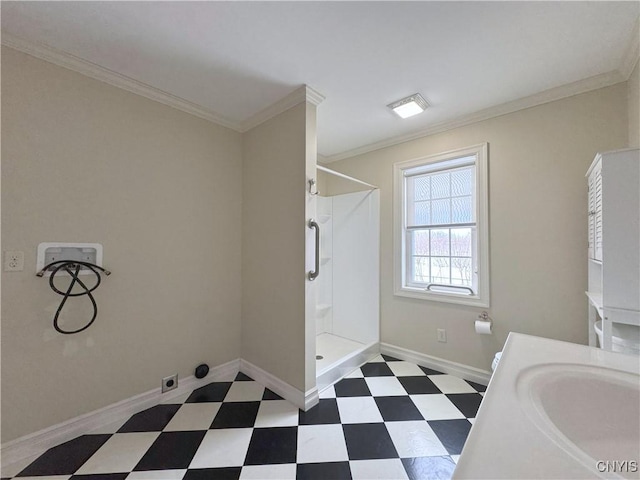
x=236, y=58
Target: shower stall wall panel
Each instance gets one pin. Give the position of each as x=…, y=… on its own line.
x=356, y=266
x=348, y=319
x=324, y=304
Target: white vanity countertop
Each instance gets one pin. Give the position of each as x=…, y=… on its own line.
x=513, y=436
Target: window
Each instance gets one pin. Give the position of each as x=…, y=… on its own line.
x=441, y=227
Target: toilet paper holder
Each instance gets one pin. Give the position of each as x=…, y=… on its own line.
x=483, y=325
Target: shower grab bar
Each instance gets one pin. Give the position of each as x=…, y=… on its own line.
x=313, y=274
x=428, y=289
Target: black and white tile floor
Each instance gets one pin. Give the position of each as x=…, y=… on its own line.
x=389, y=419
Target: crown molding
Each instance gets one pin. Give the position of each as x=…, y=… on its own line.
x=303, y=94
x=313, y=96
x=89, y=69
x=630, y=59
x=307, y=94
x=553, y=94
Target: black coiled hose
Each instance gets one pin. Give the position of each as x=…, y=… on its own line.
x=73, y=267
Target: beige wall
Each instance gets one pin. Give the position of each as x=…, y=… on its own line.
x=537, y=161
x=273, y=246
x=161, y=190
x=633, y=98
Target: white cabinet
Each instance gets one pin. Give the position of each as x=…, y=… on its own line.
x=614, y=241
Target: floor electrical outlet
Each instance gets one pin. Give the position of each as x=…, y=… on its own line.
x=442, y=335
x=13, y=261
x=170, y=383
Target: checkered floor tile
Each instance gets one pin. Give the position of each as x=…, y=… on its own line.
x=389, y=419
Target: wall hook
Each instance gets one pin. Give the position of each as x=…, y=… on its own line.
x=312, y=183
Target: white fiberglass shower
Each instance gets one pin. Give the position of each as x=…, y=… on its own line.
x=347, y=308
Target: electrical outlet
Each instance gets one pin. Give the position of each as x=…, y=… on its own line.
x=169, y=383
x=13, y=261
x=442, y=335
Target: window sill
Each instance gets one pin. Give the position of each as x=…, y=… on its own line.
x=470, y=300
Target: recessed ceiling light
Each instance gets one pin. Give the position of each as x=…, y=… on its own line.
x=409, y=106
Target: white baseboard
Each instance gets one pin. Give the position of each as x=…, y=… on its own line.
x=446, y=366
x=302, y=400
x=39, y=442
x=311, y=398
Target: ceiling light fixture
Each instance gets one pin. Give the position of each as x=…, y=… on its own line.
x=409, y=106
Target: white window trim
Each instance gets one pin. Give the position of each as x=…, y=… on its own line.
x=481, y=299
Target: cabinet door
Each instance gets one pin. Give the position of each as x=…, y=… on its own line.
x=595, y=214
x=591, y=215
x=597, y=227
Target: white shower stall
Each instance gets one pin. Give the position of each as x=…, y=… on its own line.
x=347, y=309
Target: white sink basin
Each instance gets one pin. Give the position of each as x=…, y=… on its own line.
x=592, y=413
x=556, y=410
